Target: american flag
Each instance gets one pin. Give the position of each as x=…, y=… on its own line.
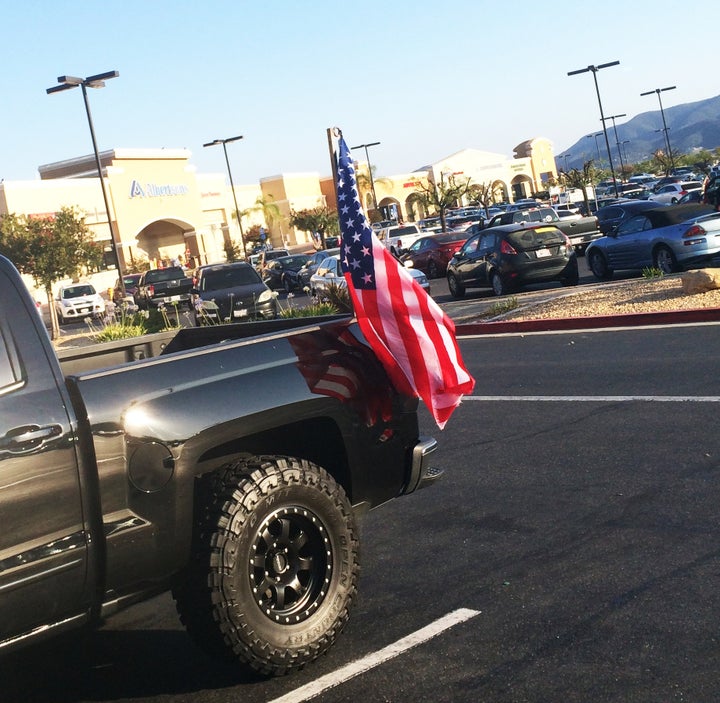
x=407, y=330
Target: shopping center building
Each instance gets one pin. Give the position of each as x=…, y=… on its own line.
x=159, y=209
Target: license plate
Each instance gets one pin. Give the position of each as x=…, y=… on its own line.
x=240, y=313
x=84, y=309
x=542, y=253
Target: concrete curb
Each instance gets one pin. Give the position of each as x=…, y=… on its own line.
x=463, y=329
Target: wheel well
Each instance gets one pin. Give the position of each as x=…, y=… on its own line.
x=317, y=439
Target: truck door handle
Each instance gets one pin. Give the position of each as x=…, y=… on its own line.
x=28, y=437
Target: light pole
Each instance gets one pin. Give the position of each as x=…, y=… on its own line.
x=597, y=146
x=624, y=142
x=224, y=143
x=96, y=81
x=657, y=91
x=594, y=70
x=617, y=141
x=367, y=158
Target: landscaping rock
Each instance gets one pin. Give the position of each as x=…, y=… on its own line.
x=700, y=281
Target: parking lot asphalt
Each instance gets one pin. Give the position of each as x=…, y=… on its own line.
x=470, y=328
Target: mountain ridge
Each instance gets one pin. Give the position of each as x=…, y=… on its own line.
x=690, y=126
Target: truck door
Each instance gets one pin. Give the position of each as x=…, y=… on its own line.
x=43, y=550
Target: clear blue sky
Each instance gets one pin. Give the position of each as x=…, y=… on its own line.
x=426, y=79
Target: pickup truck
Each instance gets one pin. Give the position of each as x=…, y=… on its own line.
x=228, y=464
x=167, y=286
x=580, y=232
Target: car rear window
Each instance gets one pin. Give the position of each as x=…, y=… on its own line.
x=534, y=238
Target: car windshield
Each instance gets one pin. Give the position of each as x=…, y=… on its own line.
x=534, y=238
x=77, y=291
x=228, y=278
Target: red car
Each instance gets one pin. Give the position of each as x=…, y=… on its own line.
x=431, y=254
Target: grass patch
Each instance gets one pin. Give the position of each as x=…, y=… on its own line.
x=502, y=307
x=652, y=272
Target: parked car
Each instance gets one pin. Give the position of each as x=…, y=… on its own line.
x=692, y=196
x=312, y=264
x=507, y=257
x=232, y=292
x=668, y=237
x=130, y=283
x=257, y=260
x=330, y=274
x=431, y=253
x=165, y=286
x=610, y=216
x=672, y=192
x=78, y=301
x=284, y=272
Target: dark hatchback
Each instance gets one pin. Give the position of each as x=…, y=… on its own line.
x=508, y=257
x=232, y=292
x=431, y=254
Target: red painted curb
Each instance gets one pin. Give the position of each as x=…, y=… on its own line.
x=583, y=323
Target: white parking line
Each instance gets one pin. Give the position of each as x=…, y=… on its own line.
x=360, y=666
x=599, y=398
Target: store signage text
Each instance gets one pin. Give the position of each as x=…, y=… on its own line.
x=155, y=190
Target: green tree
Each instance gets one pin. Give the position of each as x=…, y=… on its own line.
x=50, y=249
x=319, y=219
x=441, y=196
x=575, y=178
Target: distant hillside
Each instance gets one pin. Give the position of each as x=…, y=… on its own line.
x=691, y=126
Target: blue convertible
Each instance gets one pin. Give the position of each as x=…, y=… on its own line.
x=668, y=238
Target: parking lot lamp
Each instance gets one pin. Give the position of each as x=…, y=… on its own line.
x=623, y=143
x=657, y=91
x=594, y=70
x=224, y=143
x=367, y=158
x=597, y=146
x=96, y=81
x=617, y=141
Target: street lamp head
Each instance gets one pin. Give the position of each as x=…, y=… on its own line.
x=215, y=142
x=102, y=76
x=70, y=80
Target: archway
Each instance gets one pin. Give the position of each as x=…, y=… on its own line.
x=391, y=209
x=164, y=242
x=522, y=187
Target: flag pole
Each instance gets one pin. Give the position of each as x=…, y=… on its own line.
x=333, y=132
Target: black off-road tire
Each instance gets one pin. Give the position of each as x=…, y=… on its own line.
x=274, y=567
x=433, y=269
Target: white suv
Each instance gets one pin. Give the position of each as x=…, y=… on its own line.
x=78, y=301
x=397, y=238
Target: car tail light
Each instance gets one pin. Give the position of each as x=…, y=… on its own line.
x=694, y=235
x=151, y=290
x=506, y=248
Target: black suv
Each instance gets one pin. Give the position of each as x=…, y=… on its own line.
x=232, y=292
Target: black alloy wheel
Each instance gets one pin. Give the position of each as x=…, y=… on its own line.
x=275, y=564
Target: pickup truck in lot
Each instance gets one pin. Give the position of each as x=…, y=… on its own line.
x=581, y=231
x=229, y=464
x=167, y=286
